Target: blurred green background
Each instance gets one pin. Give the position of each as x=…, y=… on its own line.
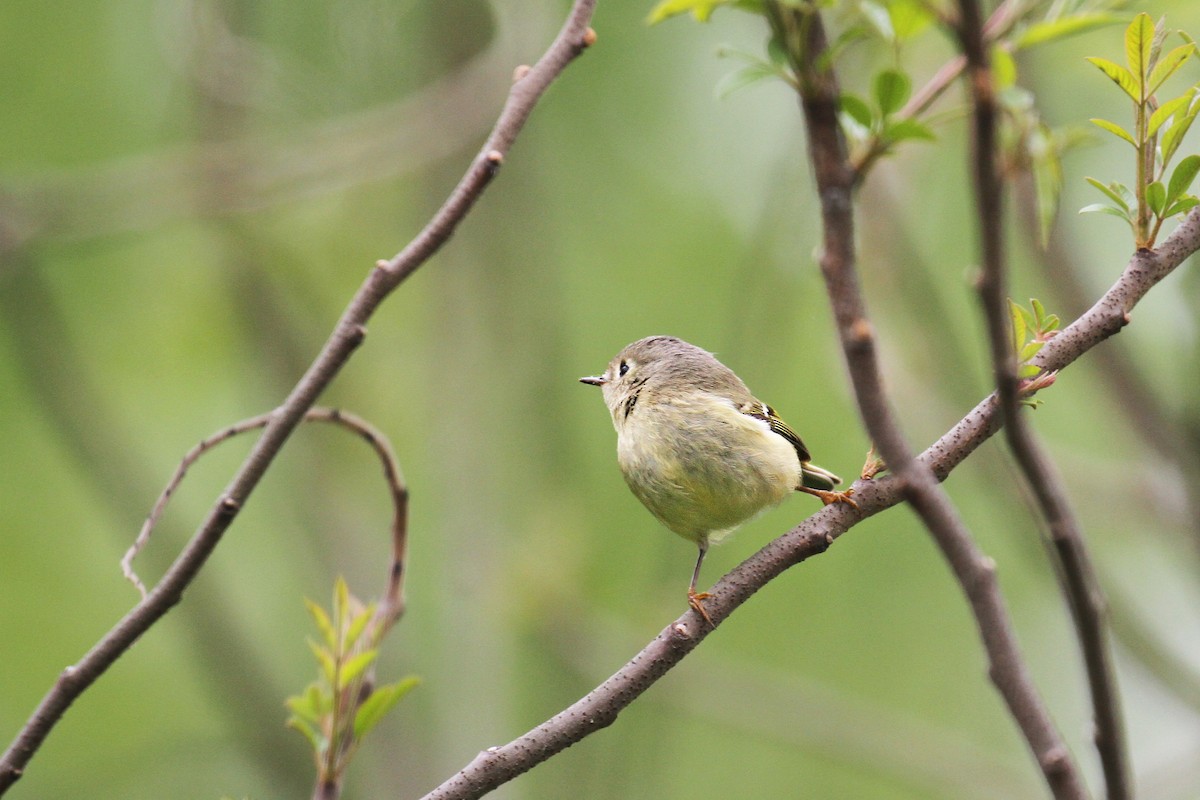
x=189, y=194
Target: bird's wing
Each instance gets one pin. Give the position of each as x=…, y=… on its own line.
x=760, y=410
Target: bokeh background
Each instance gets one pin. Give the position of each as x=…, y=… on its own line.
x=191, y=191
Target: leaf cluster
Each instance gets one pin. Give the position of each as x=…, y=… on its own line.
x=1031, y=328
x=1158, y=131
x=876, y=121
x=335, y=712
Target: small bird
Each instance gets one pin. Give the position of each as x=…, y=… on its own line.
x=696, y=447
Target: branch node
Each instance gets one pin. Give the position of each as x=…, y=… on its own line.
x=589, y=37
x=494, y=159
x=357, y=334
x=1054, y=760
x=861, y=332
x=520, y=72
x=229, y=507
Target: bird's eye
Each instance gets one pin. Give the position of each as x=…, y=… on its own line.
x=621, y=370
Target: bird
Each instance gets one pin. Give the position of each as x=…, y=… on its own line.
x=698, y=449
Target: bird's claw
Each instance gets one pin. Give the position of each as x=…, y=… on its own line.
x=696, y=601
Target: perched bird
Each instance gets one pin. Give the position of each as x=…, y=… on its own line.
x=700, y=452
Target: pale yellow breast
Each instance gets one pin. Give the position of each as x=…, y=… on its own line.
x=701, y=466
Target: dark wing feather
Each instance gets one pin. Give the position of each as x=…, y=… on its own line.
x=760, y=410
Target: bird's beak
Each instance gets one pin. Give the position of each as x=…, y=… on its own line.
x=595, y=380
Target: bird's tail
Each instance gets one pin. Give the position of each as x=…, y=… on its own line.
x=814, y=477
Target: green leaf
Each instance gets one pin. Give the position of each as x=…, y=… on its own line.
x=341, y=601
x=381, y=701
x=356, y=627
x=1004, y=68
x=858, y=110
x=700, y=9
x=1046, y=165
x=1114, y=129
x=310, y=705
x=1167, y=66
x=324, y=624
x=1181, y=178
x=1139, y=41
x=1165, y=112
x=1027, y=315
x=743, y=77
x=325, y=659
x=315, y=739
x=909, y=18
x=1029, y=350
x=1106, y=209
x=892, y=89
x=1050, y=30
x=1115, y=192
x=878, y=18
x=354, y=666
x=1182, y=206
x=1039, y=312
x=1018, y=325
x=1121, y=76
x=1173, y=137
x=1156, y=197
x=1028, y=371
x=905, y=129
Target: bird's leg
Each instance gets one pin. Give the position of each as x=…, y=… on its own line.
x=828, y=498
x=695, y=599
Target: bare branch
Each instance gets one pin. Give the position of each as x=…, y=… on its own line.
x=348, y=334
x=1077, y=575
x=803, y=36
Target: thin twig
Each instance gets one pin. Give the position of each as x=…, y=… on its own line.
x=804, y=40
x=348, y=334
x=600, y=707
x=392, y=606
x=1078, y=577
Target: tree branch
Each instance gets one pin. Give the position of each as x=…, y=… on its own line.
x=600, y=707
x=348, y=334
x=802, y=34
x=1077, y=575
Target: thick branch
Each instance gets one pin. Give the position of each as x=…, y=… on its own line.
x=349, y=332
x=1078, y=577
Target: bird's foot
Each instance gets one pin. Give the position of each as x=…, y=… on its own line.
x=696, y=601
x=872, y=466
x=829, y=498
